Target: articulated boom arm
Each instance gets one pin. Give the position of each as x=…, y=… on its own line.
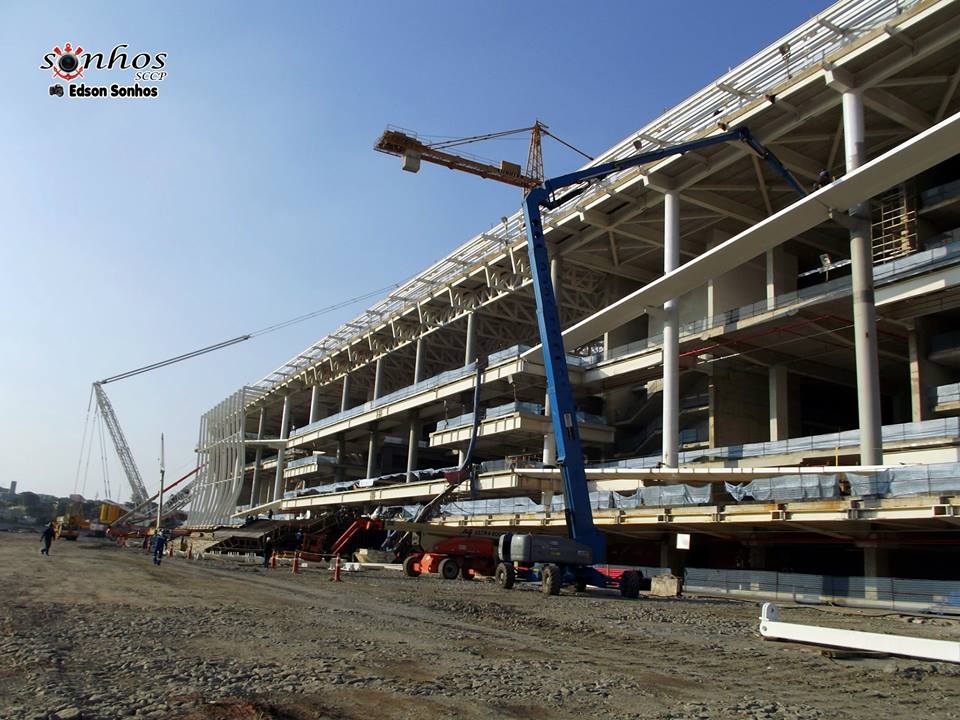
x=120, y=443
x=564, y=416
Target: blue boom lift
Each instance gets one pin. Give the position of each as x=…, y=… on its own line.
x=578, y=560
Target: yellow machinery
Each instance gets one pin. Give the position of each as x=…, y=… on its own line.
x=110, y=513
x=68, y=526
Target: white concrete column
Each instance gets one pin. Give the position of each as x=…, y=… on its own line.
x=345, y=394
x=314, y=404
x=671, y=337
x=781, y=274
x=258, y=459
x=419, y=363
x=875, y=565
x=413, y=430
x=413, y=444
x=373, y=446
x=339, y=473
x=378, y=379
x=373, y=449
x=470, y=348
x=864, y=309
x=917, y=395
x=549, y=441
x=284, y=434
x=779, y=430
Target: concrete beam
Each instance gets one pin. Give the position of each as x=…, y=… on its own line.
x=897, y=165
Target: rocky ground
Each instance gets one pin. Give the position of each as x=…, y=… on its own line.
x=95, y=631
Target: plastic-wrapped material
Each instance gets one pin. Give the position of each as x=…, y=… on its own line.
x=869, y=485
x=924, y=479
x=787, y=487
x=665, y=495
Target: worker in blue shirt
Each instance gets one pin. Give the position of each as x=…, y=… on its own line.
x=159, y=543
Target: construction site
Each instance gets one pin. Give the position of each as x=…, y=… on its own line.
x=748, y=368
x=699, y=395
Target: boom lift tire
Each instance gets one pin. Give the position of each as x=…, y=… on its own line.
x=409, y=566
x=449, y=569
x=630, y=584
x=506, y=576
x=551, y=580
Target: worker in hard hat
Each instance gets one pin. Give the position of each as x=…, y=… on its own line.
x=267, y=550
x=159, y=543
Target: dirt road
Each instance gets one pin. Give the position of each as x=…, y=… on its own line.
x=99, y=632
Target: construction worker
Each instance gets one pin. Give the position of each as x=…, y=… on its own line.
x=159, y=543
x=46, y=537
x=267, y=550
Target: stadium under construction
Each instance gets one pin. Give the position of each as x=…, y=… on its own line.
x=774, y=378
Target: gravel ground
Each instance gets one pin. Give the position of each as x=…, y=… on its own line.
x=95, y=631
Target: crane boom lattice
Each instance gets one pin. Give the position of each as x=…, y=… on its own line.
x=130, y=469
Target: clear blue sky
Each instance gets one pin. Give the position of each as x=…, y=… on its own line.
x=248, y=192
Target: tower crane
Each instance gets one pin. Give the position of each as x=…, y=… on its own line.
x=407, y=145
x=577, y=559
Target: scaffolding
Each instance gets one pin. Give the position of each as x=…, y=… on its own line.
x=893, y=232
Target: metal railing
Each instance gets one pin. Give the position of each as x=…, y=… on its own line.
x=941, y=428
x=925, y=260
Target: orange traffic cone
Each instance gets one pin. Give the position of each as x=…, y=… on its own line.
x=273, y=560
x=336, y=570
x=190, y=551
x=295, y=565
x=170, y=553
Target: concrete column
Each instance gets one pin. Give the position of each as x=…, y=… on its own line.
x=284, y=434
x=925, y=374
x=781, y=273
x=779, y=418
x=345, y=394
x=549, y=441
x=255, y=485
x=378, y=379
x=413, y=430
x=864, y=309
x=470, y=350
x=876, y=564
x=373, y=448
x=314, y=403
x=339, y=473
x=671, y=337
x=413, y=444
x=918, y=402
x=419, y=363
x=672, y=558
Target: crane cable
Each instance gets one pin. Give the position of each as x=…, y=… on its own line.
x=83, y=442
x=242, y=338
x=455, y=142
